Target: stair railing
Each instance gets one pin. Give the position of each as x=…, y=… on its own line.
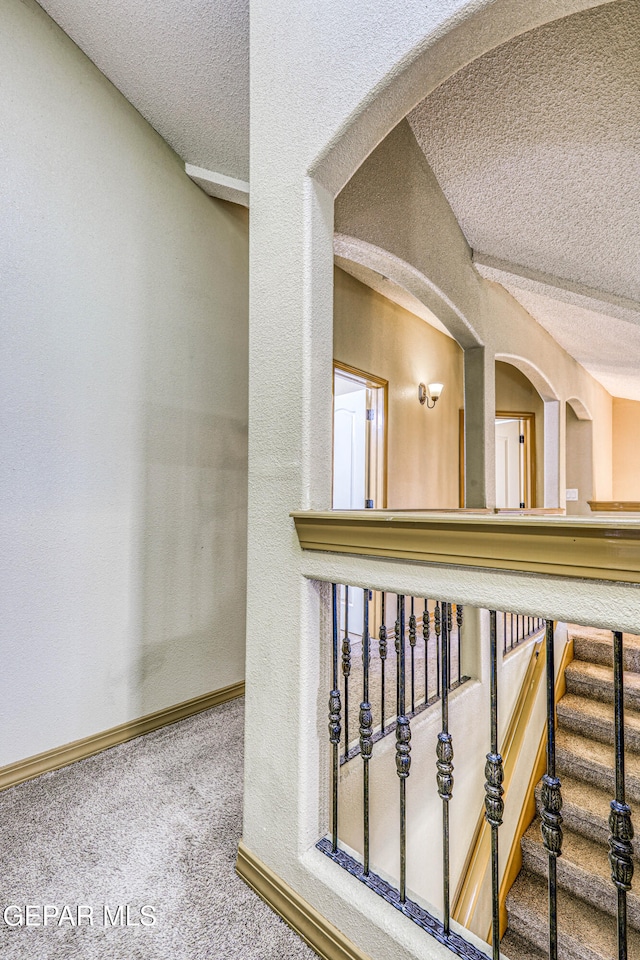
x=397, y=895
x=422, y=631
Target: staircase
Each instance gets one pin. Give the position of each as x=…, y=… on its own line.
x=587, y=898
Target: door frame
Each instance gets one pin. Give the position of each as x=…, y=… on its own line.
x=528, y=420
x=374, y=383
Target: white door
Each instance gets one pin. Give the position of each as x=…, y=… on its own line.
x=349, y=443
x=508, y=464
x=349, y=472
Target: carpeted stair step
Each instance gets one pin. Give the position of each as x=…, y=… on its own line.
x=583, y=871
x=585, y=810
x=596, y=682
x=515, y=948
x=594, y=719
x=596, y=646
x=584, y=932
x=593, y=762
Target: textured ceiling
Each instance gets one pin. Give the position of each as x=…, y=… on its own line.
x=613, y=360
x=536, y=146
x=183, y=65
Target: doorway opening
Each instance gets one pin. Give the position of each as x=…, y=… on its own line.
x=359, y=462
x=515, y=461
x=359, y=440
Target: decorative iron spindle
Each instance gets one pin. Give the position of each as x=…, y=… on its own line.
x=334, y=723
x=346, y=668
x=426, y=630
x=449, y=609
x=444, y=766
x=551, y=798
x=412, y=645
x=397, y=649
x=366, y=726
x=459, y=619
x=403, y=754
x=437, y=628
x=382, y=634
x=494, y=805
x=620, y=846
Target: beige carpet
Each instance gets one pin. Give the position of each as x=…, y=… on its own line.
x=153, y=822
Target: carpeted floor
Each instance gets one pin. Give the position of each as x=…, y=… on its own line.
x=153, y=822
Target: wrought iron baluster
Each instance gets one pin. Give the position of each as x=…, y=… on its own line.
x=494, y=805
x=334, y=723
x=459, y=620
x=444, y=766
x=511, y=619
x=403, y=754
x=504, y=633
x=620, y=846
x=448, y=608
x=382, y=634
x=366, y=727
x=551, y=798
x=346, y=668
x=437, y=629
x=412, y=645
x=426, y=631
x=397, y=649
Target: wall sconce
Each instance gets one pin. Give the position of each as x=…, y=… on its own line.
x=429, y=395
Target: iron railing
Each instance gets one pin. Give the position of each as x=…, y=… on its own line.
x=422, y=677
x=515, y=628
x=445, y=615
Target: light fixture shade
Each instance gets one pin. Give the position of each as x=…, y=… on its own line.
x=435, y=389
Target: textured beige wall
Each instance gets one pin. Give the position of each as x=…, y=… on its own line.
x=579, y=462
x=123, y=375
x=626, y=449
x=381, y=338
x=516, y=394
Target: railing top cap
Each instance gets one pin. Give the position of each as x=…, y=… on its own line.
x=553, y=521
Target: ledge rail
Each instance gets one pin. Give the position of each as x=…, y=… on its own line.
x=595, y=547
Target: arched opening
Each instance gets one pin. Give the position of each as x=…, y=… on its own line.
x=380, y=329
x=517, y=378
x=520, y=440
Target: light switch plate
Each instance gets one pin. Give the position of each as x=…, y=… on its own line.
x=572, y=494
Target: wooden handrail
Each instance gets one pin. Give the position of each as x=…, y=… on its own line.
x=528, y=812
x=477, y=864
x=478, y=859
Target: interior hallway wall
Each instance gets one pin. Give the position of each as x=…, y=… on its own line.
x=383, y=339
x=579, y=462
x=124, y=407
x=626, y=449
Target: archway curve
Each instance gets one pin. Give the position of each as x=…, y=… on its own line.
x=532, y=373
x=579, y=408
x=476, y=27
x=413, y=281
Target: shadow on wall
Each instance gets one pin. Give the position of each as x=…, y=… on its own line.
x=192, y=547
x=193, y=564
